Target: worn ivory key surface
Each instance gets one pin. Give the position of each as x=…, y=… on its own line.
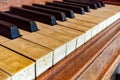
x=93, y=19
x=4, y=76
x=96, y=19
x=85, y=24
x=79, y=34
x=61, y=50
x=110, y=15
x=19, y=67
x=101, y=22
x=57, y=46
x=41, y=55
x=69, y=40
x=114, y=7
x=86, y=30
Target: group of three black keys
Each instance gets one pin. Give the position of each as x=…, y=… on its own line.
x=25, y=17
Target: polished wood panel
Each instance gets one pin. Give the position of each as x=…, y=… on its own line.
x=115, y=2
x=107, y=73
x=99, y=65
x=5, y=4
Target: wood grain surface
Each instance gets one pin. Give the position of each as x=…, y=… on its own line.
x=108, y=72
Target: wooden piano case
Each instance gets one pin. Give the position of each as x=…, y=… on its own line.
x=115, y=2
x=5, y=4
x=95, y=60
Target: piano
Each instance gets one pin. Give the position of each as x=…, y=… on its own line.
x=59, y=40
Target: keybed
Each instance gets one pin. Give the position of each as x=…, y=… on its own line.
x=48, y=33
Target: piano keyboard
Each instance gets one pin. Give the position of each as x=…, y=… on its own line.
x=36, y=37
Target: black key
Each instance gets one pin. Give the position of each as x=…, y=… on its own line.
x=93, y=6
x=102, y=3
x=34, y=15
x=91, y=2
x=86, y=7
x=22, y=23
x=98, y=4
x=69, y=13
x=74, y=8
x=9, y=30
x=58, y=14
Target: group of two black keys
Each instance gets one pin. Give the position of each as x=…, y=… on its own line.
x=24, y=17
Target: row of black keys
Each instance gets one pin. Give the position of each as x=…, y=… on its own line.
x=24, y=17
